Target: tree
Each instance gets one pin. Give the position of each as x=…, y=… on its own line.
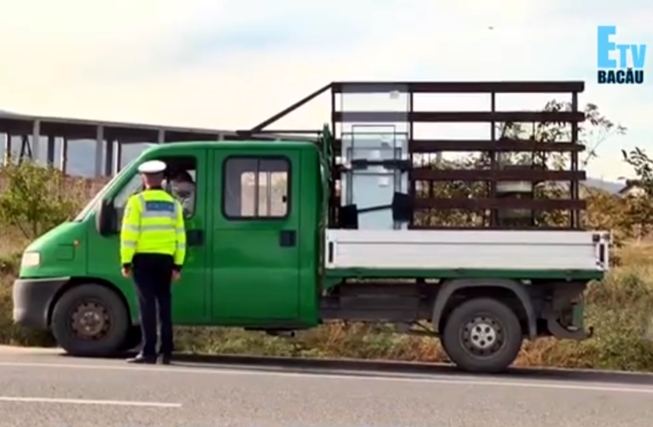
x=595, y=130
x=639, y=208
x=36, y=198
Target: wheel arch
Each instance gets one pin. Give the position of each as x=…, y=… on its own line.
x=78, y=281
x=450, y=288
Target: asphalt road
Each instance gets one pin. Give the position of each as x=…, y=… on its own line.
x=42, y=388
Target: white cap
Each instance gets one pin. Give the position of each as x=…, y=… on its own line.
x=153, y=166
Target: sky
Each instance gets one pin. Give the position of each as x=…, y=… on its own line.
x=231, y=64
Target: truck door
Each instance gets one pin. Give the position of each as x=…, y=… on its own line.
x=255, y=239
x=190, y=302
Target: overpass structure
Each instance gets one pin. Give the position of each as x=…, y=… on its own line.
x=30, y=133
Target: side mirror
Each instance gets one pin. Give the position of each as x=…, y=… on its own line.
x=105, y=218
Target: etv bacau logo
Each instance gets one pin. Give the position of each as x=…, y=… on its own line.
x=625, y=65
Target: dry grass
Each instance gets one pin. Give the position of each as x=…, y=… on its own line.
x=12, y=242
x=619, y=308
x=10, y=333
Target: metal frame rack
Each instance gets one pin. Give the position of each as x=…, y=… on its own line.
x=492, y=203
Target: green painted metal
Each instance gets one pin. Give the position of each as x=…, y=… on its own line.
x=60, y=255
x=191, y=291
x=255, y=279
x=241, y=275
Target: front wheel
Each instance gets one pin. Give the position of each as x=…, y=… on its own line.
x=90, y=320
x=482, y=335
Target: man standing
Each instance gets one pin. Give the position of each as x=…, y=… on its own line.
x=152, y=251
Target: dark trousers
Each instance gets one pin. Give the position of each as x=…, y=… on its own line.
x=152, y=274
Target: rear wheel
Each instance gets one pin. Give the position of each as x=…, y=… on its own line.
x=90, y=320
x=482, y=335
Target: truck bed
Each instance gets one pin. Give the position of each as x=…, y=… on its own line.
x=467, y=249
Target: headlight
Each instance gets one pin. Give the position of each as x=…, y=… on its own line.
x=31, y=259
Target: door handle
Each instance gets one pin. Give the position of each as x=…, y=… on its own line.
x=287, y=238
x=194, y=237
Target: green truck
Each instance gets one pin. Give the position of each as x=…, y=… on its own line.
x=272, y=248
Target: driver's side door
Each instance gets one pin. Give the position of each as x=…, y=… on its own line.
x=190, y=298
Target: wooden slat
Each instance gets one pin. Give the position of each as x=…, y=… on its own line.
x=427, y=174
x=456, y=116
x=507, y=203
x=461, y=87
x=439, y=145
x=436, y=145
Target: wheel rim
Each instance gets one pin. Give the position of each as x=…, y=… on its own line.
x=482, y=336
x=90, y=320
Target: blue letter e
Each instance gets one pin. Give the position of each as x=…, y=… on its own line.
x=605, y=46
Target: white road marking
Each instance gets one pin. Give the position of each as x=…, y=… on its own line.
x=88, y=402
x=439, y=379
x=12, y=349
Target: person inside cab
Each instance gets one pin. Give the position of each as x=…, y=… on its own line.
x=182, y=187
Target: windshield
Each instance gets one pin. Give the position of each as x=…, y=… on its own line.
x=100, y=194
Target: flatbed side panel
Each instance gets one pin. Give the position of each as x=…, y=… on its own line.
x=464, y=249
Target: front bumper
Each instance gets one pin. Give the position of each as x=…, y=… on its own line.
x=32, y=299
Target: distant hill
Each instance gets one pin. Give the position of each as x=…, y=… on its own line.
x=609, y=186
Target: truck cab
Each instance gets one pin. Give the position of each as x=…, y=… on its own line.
x=252, y=237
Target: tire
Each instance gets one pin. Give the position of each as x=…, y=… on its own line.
x=98, y=308
x=499, y=331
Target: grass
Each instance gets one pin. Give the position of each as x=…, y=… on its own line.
x=619, y=308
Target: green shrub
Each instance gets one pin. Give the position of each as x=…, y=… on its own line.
x=36, y=198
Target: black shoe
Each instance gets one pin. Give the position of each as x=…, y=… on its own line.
x=142, y=360
x=165, y=359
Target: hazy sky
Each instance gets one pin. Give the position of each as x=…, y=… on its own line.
x=230, y=64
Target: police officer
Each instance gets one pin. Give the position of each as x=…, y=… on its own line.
x=152, y=251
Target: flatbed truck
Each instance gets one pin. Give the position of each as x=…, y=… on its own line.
x=271, y=248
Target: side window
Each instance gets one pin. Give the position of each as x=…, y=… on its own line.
x=180, y=181
x=256, y=187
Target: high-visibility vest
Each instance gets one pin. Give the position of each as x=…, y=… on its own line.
x=153, y=223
